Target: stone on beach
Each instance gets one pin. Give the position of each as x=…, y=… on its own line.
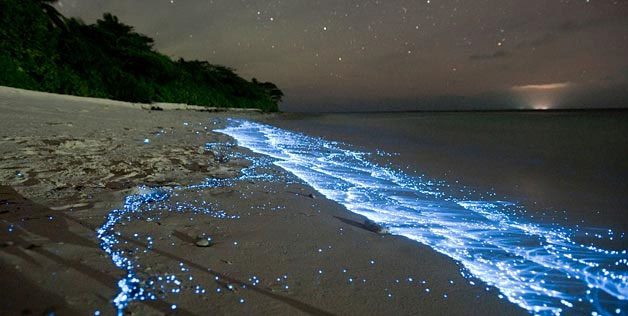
x=203, y=242
x=375, y=227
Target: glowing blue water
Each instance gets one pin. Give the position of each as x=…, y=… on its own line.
x=538, y=267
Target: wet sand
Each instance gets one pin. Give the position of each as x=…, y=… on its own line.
x=67, y=162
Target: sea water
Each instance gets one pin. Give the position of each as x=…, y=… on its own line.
x=543, y=266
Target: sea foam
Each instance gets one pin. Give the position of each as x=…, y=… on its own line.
x=538, y=266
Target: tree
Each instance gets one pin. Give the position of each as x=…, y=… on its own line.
x=40, y=49
x=273, y=91
x=55, y=18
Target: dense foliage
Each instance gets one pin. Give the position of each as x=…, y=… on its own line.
x=42, y=50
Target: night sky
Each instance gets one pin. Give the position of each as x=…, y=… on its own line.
x=357, y=55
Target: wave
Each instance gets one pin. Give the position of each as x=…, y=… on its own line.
x=536, y=266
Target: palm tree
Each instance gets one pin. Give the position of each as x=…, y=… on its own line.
x=273, y=91
x=55, y=18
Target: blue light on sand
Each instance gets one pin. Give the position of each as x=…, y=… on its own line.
x=137, y=285
x=536, y=266
x=130, y=288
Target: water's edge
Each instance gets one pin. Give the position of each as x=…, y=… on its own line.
x=538, y=267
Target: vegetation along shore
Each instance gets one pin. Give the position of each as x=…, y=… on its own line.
x=40, y=49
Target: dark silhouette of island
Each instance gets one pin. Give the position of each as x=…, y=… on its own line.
x=40, y=49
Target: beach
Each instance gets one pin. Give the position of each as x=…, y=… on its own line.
x=313, y=158
x=277, y=245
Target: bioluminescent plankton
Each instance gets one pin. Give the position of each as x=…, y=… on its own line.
x=534, y=265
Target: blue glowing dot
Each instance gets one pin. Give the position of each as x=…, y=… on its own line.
x=146, y=141
x=97, y=313
x=241, y=301
x=173, y=306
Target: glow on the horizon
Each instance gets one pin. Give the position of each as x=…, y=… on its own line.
x=541, y=96
x=542, y=87
x=542, y=106
x=536, y=266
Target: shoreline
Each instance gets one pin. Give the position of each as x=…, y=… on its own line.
x=71, y=163
x=156, y=106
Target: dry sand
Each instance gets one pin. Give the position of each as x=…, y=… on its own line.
x=66, y=162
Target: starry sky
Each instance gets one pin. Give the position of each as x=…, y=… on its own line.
x=388, y=55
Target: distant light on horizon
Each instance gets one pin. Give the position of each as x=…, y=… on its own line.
x=549, y=86
x=542, y=106
x=541, y=96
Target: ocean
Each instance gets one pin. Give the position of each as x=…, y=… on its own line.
x=531, y=203
x=563, y=166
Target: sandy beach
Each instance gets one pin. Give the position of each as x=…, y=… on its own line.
x=278, y=248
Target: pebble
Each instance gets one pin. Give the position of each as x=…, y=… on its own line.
x=375, y=227
x=203, y=242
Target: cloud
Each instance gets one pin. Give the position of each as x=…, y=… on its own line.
x=573, y=26
x=539, y=41
x=542, y=87
x=496, y=55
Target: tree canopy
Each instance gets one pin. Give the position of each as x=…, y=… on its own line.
x=40, y=49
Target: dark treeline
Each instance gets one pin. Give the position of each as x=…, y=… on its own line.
x=40, y=49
